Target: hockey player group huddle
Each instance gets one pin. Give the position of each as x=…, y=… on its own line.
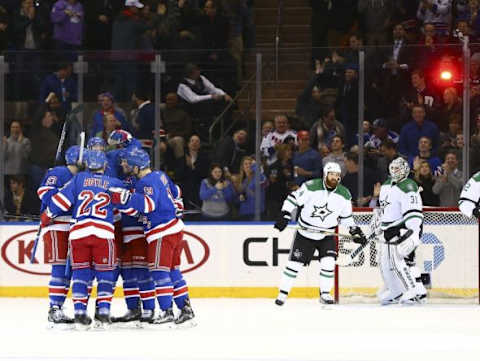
x=118, y=217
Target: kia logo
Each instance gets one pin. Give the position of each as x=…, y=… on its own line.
x=17, y=251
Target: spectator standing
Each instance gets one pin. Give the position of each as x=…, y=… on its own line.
x=191, y=170
x=425, y=154
x=281, y=134
x=44, y=147
x=16, y=151
x=99, y=17
x=350, y=180
x=307, y=162
x=449, y=183
x=347, y=103
x=216, y=193
x=336, y=155
x=423, y=177
x=341, y=17
x=177, y=123
x=324, y=130
x=246, y=189
x=127, y=31
x=145, y=119
x=452, y=106
x=280, y=177
x=416, y=128
x=165, y=22
x=376, y=17
x=68, y=18
x=319, y=27
x=108, y=107
x=18, y=199
x=62, y=84
x=230, y=151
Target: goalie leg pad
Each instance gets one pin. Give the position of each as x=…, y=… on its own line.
x=327, y=273
x=408, y=246
x=388, y=269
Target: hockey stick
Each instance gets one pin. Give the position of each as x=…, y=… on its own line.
x=35, y=244
x=68, y=119
x=320, y=230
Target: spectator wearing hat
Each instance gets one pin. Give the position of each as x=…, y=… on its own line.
x=281, y=134
x=62, y=84
x=68, y=18
x=415, y=129
x=108, y=107
x=307, y=162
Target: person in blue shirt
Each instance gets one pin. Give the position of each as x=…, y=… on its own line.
x=216, y=194
x=62, y=84
x=307, y=162
x=416, y=128
x=246, y=189
x=107, y=107
x=425, y=154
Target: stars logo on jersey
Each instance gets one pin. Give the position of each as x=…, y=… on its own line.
x=384, y=203
x=321, y=212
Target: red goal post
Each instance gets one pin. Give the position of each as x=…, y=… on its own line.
x=449, y=253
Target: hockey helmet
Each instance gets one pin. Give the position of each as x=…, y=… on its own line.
x=72, y=154
x=332, y=167
x=399, y=169
x=96, y=142
x=95, y=159
x=139, y=158
x=119, y=138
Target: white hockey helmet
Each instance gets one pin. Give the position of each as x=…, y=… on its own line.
x=332, y=167
x=399, y=169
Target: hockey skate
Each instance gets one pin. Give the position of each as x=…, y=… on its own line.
x=185, y=318
x=131, y=318
x=326, y=298
x=279, y=302
x=82, y=322
x=146, y=318
x=102, y=321
x=165, y=318
x=56, y=318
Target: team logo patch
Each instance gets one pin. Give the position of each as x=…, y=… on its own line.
x=297, y=254
x=384, y=203
x=52, y=180
x=321, y=212
x=148, y=190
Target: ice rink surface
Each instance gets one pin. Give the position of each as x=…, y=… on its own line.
x=254, y=329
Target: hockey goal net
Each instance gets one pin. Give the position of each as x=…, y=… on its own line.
x=448, y=255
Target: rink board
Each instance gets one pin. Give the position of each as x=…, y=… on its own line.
x=244, y=260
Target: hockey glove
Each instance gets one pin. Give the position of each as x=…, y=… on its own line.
x=282, y=222
x=476, y=212
x=45, y=219
x=178, y=207
x=357, y=234
x=119, y=195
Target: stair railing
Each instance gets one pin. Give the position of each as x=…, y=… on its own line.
x=277, y=35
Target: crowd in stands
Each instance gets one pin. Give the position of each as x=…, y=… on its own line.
x=408, y=111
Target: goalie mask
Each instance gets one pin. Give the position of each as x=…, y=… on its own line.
x=332, y=174
x=399, y=169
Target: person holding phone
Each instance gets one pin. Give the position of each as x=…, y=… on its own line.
x=216, y=193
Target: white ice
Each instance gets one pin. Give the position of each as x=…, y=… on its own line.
x=255, y=329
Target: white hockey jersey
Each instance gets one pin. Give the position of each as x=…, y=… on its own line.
x=401, y=204
x=267, y=147
x=320, y=208
x=470, y=195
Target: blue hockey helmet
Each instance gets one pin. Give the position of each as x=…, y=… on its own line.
x=72, y=154
x=138, y=157
x=95, y=159
x=119, y=138
x=95, y=143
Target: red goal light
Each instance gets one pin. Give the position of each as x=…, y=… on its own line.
x=446, y=75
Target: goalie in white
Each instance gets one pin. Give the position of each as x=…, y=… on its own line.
x=401, y=222
x=469, y=202
x=323, y=203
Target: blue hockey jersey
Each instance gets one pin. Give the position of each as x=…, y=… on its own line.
x=155, y=197
x=53, y=181
x=88, y=197
x=113, y=167
x=132, y=227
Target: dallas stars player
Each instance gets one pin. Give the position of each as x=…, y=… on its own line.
x=469, y=202
x=323, y=203
x=402, y=221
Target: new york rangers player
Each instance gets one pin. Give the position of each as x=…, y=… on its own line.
x=91, y=235
x=154, y=199
x=55, y=235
